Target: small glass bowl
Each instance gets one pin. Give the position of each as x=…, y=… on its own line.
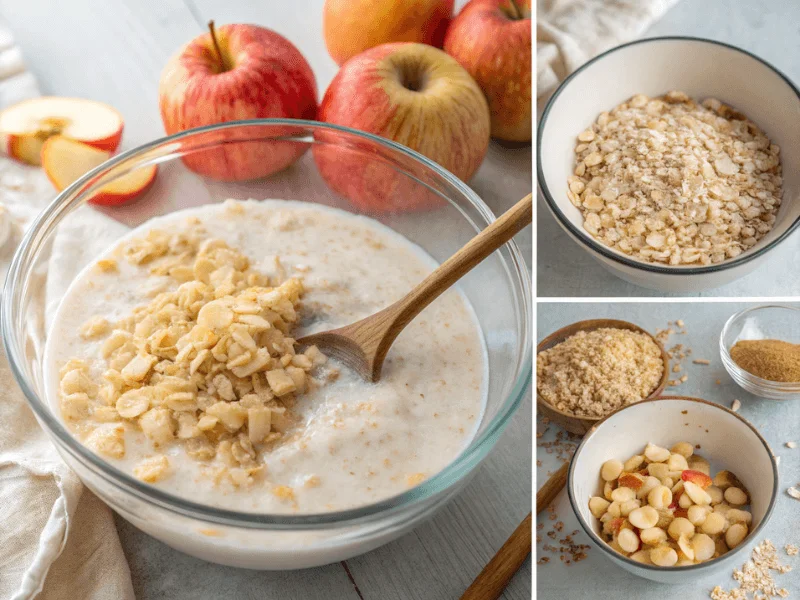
x=772, y=321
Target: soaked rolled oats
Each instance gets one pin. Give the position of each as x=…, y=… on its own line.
x=208, y=363
x=672, y=181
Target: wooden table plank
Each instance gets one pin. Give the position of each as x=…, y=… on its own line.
x=113, y=51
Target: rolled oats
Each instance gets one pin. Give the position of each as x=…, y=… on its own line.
x=667, y=180
x=207, y=363
x=595, y=372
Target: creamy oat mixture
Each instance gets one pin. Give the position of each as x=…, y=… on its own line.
x=173, y=357
x=673, y=181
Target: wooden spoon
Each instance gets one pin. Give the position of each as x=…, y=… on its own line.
x=363, y=345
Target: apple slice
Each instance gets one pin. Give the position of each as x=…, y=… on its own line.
x=66, y=160
x=25, y=126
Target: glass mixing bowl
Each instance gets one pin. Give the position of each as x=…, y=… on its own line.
x=355, y=165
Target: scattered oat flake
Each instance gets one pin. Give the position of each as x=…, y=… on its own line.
x=791, y=549
x=794, y=493
x=701, y=361
x=791, y=444
x=755, y=577
x=736, y=405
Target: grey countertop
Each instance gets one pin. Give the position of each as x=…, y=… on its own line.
x=769, y=30
x=597, y=577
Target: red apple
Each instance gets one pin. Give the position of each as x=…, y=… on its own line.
x=26, y=125
x=413, y=94
x=65, y=161
x=352, y=26
x=232, y=73
x=492, y=41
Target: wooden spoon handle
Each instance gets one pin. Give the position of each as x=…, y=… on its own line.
x=454, y=268
x=494, y=578
x=548, y=492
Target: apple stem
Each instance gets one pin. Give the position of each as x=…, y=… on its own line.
x=217, y=49
x=514, y=7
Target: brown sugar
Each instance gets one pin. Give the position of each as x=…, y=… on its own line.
x=774, y=360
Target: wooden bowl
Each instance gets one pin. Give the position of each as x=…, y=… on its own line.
x=578, y=424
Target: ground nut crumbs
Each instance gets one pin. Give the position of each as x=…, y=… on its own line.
x=668, y=180
x=568, y=550
x=755, y=578
x=208, y=363
x=592, y=373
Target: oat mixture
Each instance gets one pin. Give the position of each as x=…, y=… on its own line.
x=208, y=363
x=668, y=180
x=596, y=372
x=174, y=358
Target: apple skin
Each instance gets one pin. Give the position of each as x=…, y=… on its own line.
x=353, y=26
x=495, y=48
x=445, y=119
x=65, y=160
x=267, y=77
x=55, y=118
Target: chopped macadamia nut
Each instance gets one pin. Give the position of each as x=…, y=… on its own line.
x=673, y=511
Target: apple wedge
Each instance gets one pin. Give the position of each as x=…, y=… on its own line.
x=65, y=160
x=25, y=126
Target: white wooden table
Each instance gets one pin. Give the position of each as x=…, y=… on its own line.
x=113, y=51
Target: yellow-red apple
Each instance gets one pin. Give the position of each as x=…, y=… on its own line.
x=65, y=161
x=413, y=94
x=232, y=73
x=492, y=40
x=26, y=125
x=352, y=26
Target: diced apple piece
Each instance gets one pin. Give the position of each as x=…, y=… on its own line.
x=631, y=480
x=696, y=477
x=66, y=160
x=25, y=126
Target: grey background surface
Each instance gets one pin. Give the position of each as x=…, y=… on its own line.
x=770, y=30
x=114, y=51
x=778, y=422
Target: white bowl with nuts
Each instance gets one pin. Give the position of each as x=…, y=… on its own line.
x=673, y=487
x=671, y=173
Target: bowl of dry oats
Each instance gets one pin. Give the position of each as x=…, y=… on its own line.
x=589, y=369
x=671, y=173
x=674, y=488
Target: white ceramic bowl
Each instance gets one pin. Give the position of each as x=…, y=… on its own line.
x=701, y=68
x=726, y=440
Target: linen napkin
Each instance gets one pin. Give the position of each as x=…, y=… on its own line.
x=570, y=32
x=58, y=540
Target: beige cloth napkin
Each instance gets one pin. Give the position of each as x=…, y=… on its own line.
x=570, y=32
x=58, y=540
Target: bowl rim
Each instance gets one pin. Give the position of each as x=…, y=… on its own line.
x=438, y=484
x=607, y=252
x=788, y=387
x=564, y=333
x=675, y=569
